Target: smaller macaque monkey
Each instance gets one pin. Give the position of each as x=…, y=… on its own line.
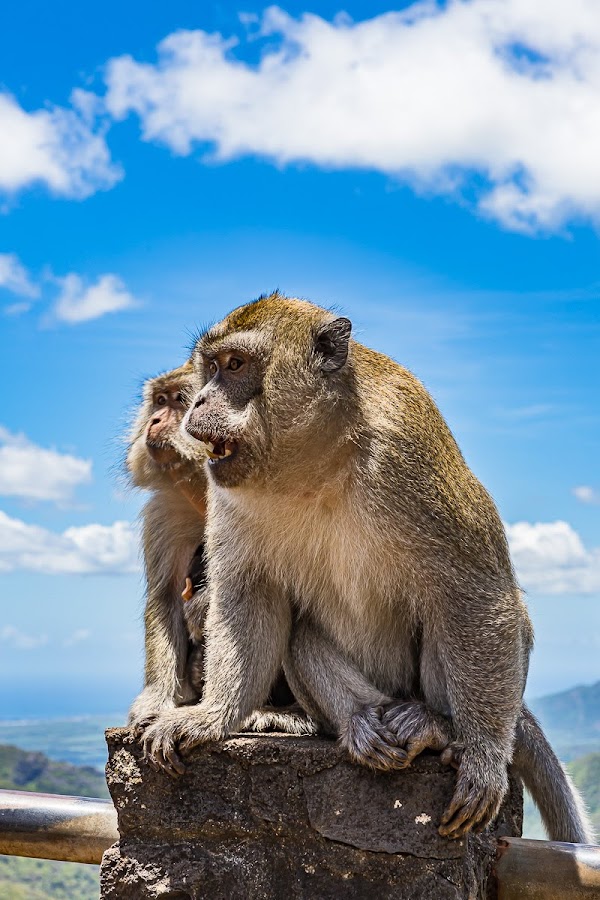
x=161, y=459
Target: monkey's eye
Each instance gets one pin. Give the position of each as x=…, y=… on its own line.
x=161, y=400
x=212, y=368
x=235, y=363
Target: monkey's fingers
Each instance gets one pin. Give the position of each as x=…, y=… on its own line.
x=172, y=762
x=369, y=744
x=452, y=755
x=470, y=807
x=382, y=757
x=159, y=749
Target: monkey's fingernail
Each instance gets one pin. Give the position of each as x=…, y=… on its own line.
x=188, y=591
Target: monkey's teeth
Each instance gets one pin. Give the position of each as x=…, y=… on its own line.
x=210, y=446
x=228, y=452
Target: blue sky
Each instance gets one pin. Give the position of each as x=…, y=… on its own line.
x=433, y=173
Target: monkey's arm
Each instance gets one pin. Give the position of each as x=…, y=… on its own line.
x=340, y=698
x=246, y=633
x=166, y=643
x=481, y=652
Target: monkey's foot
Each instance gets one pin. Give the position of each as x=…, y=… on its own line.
x=369, y=743
x=481, y=784
x=145, y=710
x=416, y=728
x=289, y=719
x=173, y=732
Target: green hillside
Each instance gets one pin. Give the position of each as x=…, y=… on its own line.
x=35, y=772
x=585, y=772
x=36, y=879
x=586, y=775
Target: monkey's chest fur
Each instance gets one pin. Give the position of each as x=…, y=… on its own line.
x=358, y=580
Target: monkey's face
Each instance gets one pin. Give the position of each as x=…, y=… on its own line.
x=269, y=372
x=158, y=446
x=163, y=426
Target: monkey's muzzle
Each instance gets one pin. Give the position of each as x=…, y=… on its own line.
x=162, y=454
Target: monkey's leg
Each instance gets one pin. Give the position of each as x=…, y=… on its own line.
x=166, y=652
x=335, y=693
x=484, y=685
x=246, y=632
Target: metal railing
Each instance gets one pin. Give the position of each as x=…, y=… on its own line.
x=52, y=826
x=80, y=829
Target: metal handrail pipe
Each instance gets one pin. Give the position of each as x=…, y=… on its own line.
x=547, y=870
x=53, y=826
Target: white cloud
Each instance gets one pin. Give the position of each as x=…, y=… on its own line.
x=506, y=89
x=91, y=549
x=15, y=278
x=78, y=636
x=586, y=494
x=79, y=302
x=36, y=473
x=550, y=558
x=55, y=147
x=20, y=640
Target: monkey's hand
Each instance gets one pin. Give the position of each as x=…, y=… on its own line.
x=481, y=785
x=369, y=743
x=415, y=728
x=194, y=613
x=176, y=731
x=146, y=708
x=289, y=719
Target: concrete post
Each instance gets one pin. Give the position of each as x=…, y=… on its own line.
x=274, y=817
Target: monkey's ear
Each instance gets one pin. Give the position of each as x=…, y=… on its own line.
x=331, y=344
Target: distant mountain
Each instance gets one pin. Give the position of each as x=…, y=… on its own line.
x=36, y=879
x=571, y=719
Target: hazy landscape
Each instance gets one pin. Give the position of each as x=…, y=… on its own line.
x=67, y=756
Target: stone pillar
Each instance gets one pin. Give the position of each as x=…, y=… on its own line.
x=275, y=817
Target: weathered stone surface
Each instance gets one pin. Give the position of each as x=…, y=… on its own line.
x=264, y=817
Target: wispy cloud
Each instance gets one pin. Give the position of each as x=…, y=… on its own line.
x=78, y=302
x=587, y=494
x=90, y=549
x=524, y=413
x=20, y=640
x=38, y=473
x=77, y=637
x=15, y=278
x=506, y=90
x=59, y=148
x=550, y=558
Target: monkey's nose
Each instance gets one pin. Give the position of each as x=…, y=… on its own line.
x=199, y=402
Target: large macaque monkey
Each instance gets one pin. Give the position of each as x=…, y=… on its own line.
x=347, y=534
x=162, y=460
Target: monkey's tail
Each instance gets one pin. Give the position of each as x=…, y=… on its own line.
x=558, y=800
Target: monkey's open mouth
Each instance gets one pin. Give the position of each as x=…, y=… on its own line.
x=219, y=448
